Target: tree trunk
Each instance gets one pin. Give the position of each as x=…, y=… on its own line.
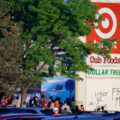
x=23, y=95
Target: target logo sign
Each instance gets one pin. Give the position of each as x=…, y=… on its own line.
x=109, y=28
x=109, y=25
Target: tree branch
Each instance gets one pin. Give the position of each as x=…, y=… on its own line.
x=40, y=68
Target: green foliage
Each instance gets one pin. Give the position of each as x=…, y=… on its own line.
x=10, y=51
x=50, y=35
x=50, y=31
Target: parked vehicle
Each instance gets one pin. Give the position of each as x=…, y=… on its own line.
x=37, y=113
x=92, y=116
x=38, y=110
x=19, y=116
x=4, y=110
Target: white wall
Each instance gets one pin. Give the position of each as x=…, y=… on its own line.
x=103, y=85
x=100, y=90
x=80, y=90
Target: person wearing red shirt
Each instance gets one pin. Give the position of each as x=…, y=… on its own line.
x=44, y=102
x=56, y=104
x=3, y=101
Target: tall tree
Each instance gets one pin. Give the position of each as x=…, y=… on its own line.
x=51, y=30
x=10, y=50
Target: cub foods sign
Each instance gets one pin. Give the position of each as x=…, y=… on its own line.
x=110, y=27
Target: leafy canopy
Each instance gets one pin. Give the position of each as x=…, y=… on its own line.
x=50, y=36
x=10, y=50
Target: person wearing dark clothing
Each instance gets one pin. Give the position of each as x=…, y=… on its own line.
x=31, y=102
x=36, y=102
x=75, y=110
x=50, y=101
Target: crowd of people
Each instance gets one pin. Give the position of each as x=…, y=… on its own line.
x=58, y=106
x=66, y=107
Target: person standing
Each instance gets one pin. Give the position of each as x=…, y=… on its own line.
x=66, y=108
x=50, y=103
x=56, y=104
x=17, y=101
x=31, y=101
x=44, y=102
x=3, y=101
x=36, y=102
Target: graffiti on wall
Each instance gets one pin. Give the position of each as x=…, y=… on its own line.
x=98, y=99
x=116, y=96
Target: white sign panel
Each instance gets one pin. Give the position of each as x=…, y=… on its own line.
x=103, y=93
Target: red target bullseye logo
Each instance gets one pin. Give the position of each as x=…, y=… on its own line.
x=108, y=26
